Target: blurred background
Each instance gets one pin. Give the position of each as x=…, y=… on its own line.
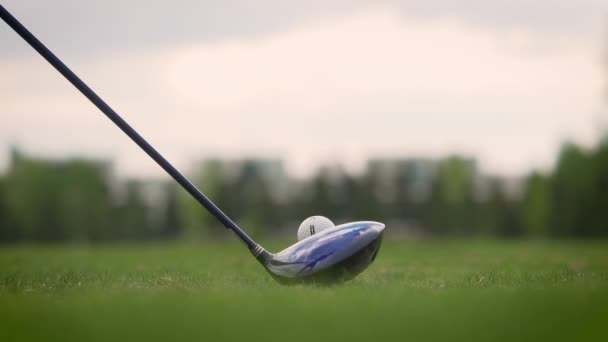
x=440, y=119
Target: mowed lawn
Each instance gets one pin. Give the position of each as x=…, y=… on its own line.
x=416, y=290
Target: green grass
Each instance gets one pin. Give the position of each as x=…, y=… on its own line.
x=416, y=290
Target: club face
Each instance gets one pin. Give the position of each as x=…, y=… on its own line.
x=333, y=255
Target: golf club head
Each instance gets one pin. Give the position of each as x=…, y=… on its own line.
x=334, y=255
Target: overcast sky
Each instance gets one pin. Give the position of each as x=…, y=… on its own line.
x=308, y=81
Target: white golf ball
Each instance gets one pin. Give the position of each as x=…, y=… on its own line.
x=313, y=225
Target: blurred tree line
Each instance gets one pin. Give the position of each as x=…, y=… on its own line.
x=80, y=201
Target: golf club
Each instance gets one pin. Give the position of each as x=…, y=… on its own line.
x=333, y=255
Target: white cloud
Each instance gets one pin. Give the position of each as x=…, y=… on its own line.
x=371, y=82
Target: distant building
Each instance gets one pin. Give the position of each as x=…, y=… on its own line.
x=153, y=193
x=415, y=175
x=511, y=188
x=270, y=171
x=456, y=176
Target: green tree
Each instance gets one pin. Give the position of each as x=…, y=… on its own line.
x=502, y=212
x=573, y=185
x=193, y=218
x=449, y=210
x=171, y=225
x=9, y=230
x=57, y=201
x=597, y=217
x=133, y=219
x=252, y=200
x=536, y=207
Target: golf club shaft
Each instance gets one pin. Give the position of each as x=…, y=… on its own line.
x=124, y=126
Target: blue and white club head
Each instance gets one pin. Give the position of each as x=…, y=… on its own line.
x=333, y=255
